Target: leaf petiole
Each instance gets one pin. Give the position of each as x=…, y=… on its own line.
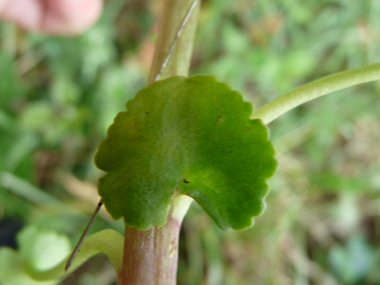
x=315, y=89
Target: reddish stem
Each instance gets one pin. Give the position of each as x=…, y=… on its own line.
x=151, y=256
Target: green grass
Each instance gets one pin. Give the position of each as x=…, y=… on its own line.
x=59, y=95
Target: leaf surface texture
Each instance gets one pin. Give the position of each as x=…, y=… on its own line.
x=190, y=136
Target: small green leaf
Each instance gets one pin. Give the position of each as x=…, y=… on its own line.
x=42, y=249
x=43, y=254
x=190, y=136
x=39, y=251
x=13, y=272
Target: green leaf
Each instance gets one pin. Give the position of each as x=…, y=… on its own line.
x=39, y=251
x=189, y=136
x=43, y=254
x=42, y=249
x=12, y=270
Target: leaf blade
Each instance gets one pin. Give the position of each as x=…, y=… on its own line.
x=189, y=136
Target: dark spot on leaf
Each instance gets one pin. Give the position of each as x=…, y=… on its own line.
x=231, y=151
x=147, y=113
x=219, y=119
x=185, y=181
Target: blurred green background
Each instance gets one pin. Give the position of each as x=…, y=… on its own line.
x=59, y=95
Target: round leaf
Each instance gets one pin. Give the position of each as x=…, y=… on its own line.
x=190, y=136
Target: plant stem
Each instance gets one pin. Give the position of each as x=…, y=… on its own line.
x=179, y=62
x=151, y=257
x=315, y=89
